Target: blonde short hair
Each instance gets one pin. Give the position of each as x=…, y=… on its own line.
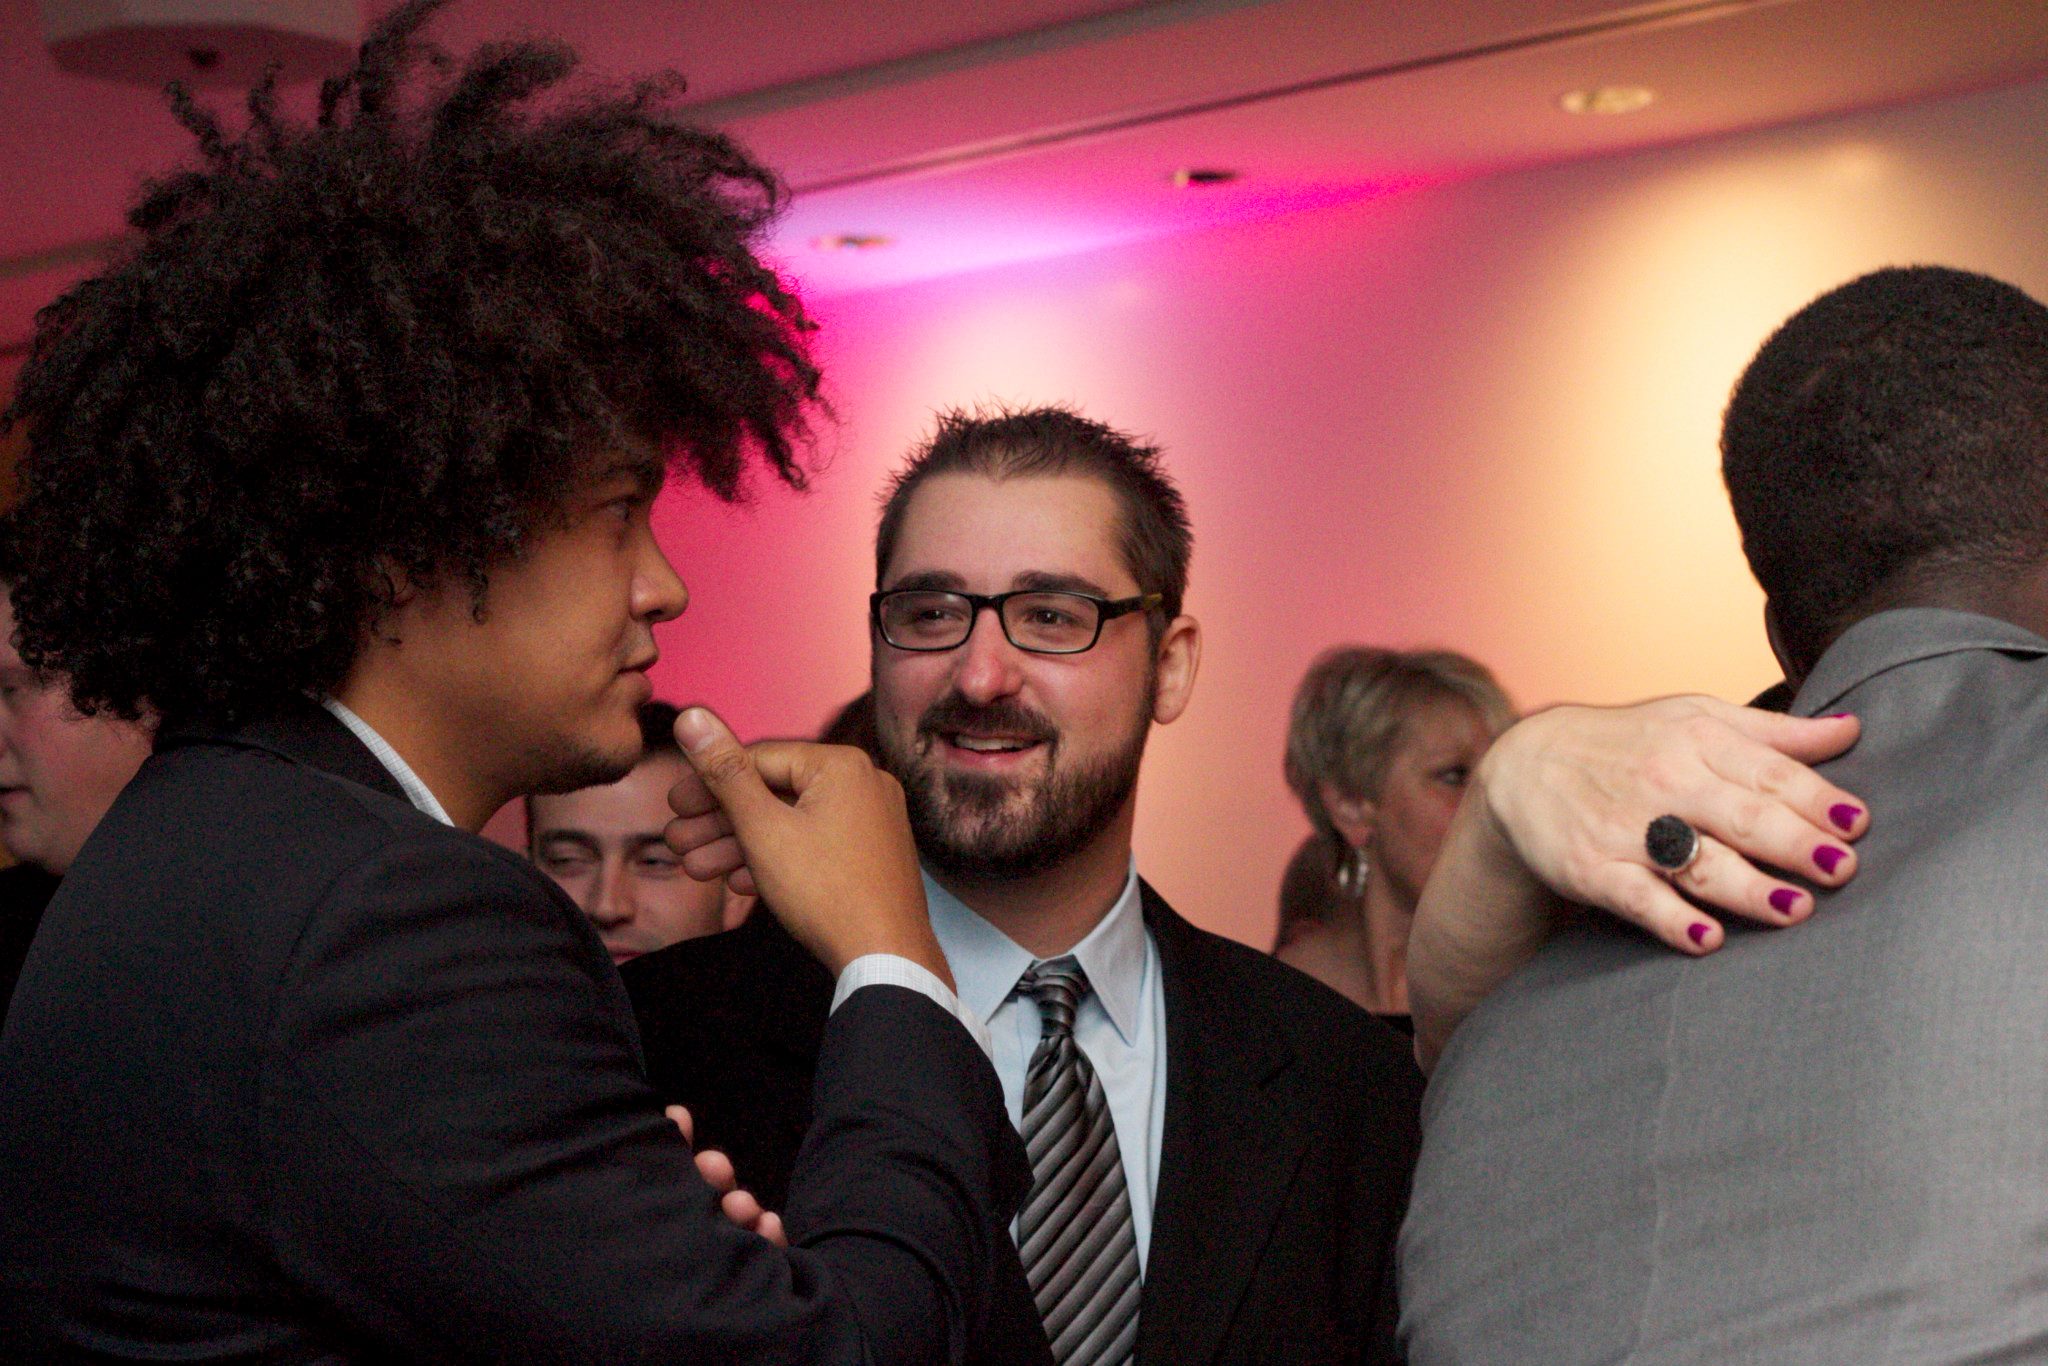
x=1353, y=706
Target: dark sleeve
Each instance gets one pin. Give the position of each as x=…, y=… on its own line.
x=878, y=1142
x=465, y=1163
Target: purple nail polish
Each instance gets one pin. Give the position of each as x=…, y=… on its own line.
x=1783, y=900
x=1844, y=816
x=1697, y=932
x=1829, y=858
x=1838, y=716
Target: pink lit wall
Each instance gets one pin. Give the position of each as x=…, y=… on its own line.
x=1477, y=415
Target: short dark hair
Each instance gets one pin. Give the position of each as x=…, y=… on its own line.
x=854, y=724
x=384, y=347
x=1010, y=443
x=1895, y=426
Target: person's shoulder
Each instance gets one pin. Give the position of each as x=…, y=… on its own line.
x=742, y=983
x=1332, y=1037
x=1271, y=987
x=230, y=787
x=757, y=951
x=236, y=826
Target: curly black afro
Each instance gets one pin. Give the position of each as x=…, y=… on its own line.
x=383, y=347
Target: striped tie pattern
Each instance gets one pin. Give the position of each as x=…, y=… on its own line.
x=1075, y=1235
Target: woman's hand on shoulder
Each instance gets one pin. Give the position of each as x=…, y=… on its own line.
x=1573, y=791
x=1558, y=813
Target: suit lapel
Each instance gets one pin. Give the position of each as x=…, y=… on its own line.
x=1228, y=1152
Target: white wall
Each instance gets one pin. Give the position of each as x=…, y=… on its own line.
x=1480, y=415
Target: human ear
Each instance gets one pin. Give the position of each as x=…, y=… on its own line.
x=1180, y=655
x=1352, y=816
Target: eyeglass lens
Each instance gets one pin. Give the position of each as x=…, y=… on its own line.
x=1053, y=623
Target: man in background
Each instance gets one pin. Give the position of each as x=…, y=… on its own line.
x=59, y=772
x=1221, y=1146
x=603, y=846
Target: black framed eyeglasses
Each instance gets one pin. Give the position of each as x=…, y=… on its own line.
x=1042, y=621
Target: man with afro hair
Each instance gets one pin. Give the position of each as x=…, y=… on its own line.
x=343, y=472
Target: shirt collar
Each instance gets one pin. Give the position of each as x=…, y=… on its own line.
x=401, y=772
x=986, y=962
x=1901, y=636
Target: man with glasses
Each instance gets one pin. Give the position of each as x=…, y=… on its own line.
x=1221, y=1147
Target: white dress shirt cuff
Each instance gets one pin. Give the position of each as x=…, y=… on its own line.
x=889, y=970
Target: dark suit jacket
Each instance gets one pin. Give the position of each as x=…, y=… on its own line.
x=731, y=1025
x=1288, y=1143
x=24, y=891
x=296, y=1073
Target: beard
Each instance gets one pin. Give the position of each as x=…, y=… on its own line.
x=566, y=764
x=982, y=828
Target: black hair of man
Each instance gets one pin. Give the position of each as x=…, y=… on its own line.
x=376, y=353
x=1891, y=436
x=1014, y=443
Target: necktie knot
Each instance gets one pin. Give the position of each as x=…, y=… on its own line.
x=1058, y=985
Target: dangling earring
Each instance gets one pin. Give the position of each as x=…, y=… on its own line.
x=1351, y=872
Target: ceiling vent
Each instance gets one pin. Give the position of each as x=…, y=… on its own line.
x=202, y=42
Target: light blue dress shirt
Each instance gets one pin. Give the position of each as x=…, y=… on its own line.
x=1120, y=1026
x=869, y=970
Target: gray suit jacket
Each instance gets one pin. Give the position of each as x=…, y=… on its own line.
x=1823, y=1144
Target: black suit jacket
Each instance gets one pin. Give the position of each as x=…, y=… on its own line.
x=295, y=1073
x=24, y=891
x=1289, y=1138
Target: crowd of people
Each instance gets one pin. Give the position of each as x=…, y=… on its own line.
x=336, y=538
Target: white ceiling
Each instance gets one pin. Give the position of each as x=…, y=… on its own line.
x=973, y=134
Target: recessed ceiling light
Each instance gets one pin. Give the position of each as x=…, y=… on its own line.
x=1188, y=176
x=851, y=241
x=1606, y=99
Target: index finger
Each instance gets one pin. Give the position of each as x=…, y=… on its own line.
x=1809, y=739
x=1765, y=767
x=790, y=767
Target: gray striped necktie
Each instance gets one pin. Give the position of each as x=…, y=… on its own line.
x=1080, y=1252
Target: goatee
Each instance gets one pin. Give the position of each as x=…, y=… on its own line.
x=982, y=828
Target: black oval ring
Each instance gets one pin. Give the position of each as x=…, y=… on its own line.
x=1672, y=843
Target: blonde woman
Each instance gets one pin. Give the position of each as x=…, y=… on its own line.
x=1378, y=752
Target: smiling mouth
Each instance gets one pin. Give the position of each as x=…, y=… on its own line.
x=982, y=744
x=990, y=744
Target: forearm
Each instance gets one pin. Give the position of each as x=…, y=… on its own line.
x=1482, y=915
x=909, y=1175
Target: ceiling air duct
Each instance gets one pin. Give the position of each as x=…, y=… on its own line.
x=202, y=42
